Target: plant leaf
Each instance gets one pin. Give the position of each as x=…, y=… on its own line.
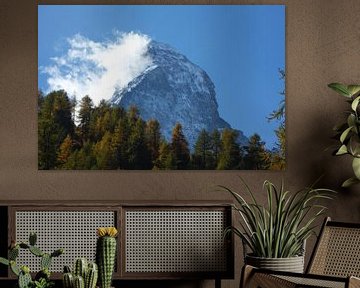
x=349, y=182
x=355, y=103
x=356, y=167
x=351, y=120
x=342, y=150
x=345, y=134
x=4, y=261
x=354, y=145
x=353, y=89
x=340, y=88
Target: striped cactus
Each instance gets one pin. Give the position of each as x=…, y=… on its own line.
x=91, y=276
x=81, y=265
x=106, y=254
x=79, y=282
x=68, y=280
x=84, y=276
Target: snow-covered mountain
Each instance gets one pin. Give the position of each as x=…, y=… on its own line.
x=171, y=90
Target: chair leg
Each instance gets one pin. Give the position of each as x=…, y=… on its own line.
x=217, y=283
x=354, y=282
x=246, y=274
x=250, y=278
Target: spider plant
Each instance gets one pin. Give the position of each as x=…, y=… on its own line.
x=279, y=229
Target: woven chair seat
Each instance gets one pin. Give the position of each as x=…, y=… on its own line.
x=335, y=262
x=313, y=282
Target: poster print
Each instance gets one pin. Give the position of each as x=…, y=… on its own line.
x=161, y=87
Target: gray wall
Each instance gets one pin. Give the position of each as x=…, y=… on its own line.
x=323, y=46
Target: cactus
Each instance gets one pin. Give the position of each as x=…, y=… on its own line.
x=36, y=251
x=79, y=282
x=45, y=261
x=57, y=252
x=14, y=268
x=80, y=268
x=44, y=273
x=13, y=253
x=24, y=278
x=89, y=272
x=67, y=269
x=91, y=276
x=32, y=238
x=4, y=261
x=68, y=280
x=24, y=245
x=105, y=254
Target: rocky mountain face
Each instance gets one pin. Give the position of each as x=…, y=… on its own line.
x=172, y=90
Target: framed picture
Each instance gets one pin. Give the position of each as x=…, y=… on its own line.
x=152, y=87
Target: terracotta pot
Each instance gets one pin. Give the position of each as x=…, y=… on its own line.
x=291, y=264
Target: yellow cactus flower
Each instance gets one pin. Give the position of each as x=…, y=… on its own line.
x=106, y=231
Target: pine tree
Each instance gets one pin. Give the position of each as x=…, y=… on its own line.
x=179, y=148
x=203, y=156
x=40, y=100
x=153, y=138
x=73, y=103
x=47, y=143
x=138, y=153
x=278, y=156
x=54, y=124
x=215, y=147
x=120, y=144
x=257, y=157
x=104, y=153
x=165, y=160
x=85, y=112
x=230, y=155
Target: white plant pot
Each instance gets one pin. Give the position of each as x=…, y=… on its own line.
x=291, y=264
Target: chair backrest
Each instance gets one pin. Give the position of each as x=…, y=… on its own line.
x=337, y=251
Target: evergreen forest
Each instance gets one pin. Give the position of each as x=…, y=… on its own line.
x=83, y=136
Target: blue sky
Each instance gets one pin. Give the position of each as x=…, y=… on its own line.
x=241, y=47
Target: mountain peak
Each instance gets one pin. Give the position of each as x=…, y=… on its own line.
x=174, y=90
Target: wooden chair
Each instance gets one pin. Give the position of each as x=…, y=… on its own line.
x=335, y=262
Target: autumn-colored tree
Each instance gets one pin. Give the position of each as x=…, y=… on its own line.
x=179, y=148
x=82, y=159
x=104, y=153
x=153, y=138
x=54, y=124
x=166, y=159
x=230, y=155
x=278, y=156
x=64, y=151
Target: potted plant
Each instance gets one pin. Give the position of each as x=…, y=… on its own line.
x=348, y=132
x=42, y=278
x=276, y=233
x=84, y=274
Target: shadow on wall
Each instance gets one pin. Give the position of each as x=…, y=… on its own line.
x=333, y=170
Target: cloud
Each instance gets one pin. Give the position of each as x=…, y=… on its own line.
x=98, y=68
